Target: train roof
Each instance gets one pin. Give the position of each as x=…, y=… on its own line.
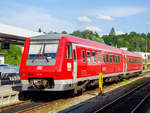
x=48, y=36
x=83, y=42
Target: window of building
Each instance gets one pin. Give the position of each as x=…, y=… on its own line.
x=98, y=57
x=104, y=58
x=94, y=57
x=83, y=54
x=69, y=51
x=88, y=57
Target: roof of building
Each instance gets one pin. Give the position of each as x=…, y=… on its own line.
x=2, y=54
x=16, y=35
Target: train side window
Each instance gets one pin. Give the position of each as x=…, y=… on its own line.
x=83, y=54
x=116, y=59
x=69, y=51
x=110, y=57
x=107, y=58
x=120, y=59
x=129, y=60
x=104, y=58
x=94, y=57
x=88, y=57
x=74, y=55
x=113, y=58
x=98, y=57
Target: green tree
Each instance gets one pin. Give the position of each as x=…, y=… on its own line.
x=112, y=34
x=87, y=34
x=39, y=30
x=112, y=31
x=64, y=32
x=133, y=41
x=12, y=55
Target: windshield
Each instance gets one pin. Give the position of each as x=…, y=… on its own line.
x=42, y=53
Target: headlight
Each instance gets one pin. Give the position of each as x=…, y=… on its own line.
x=23, y=74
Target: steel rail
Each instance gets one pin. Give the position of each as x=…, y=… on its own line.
x=121, y=97
x=83, y=103
x=140, y=103
x=46, y=104
x=3, y=108
x=32, y=109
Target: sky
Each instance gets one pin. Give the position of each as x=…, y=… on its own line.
x=58, y=15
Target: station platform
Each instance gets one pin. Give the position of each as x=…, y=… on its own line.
x=8, y=95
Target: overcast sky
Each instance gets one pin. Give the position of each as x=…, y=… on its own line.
x=70, y=15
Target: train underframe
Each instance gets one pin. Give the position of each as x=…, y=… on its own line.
x=48, y=84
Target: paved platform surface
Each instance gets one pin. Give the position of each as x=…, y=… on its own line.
x=8, y=95
x=6, y=89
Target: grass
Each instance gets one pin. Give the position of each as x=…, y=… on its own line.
x=119, y=84
x=56, y=106
x=148, y=65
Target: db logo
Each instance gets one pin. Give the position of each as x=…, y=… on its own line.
x=104, y=69
x=39, y=67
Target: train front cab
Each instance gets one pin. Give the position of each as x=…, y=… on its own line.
x=42, y=72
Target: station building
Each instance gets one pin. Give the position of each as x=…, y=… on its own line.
x=14, y=35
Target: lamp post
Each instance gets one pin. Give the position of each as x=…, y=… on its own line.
x=146, y=46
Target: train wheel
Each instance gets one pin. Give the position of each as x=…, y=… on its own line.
x=22, y=95
x=68, y=94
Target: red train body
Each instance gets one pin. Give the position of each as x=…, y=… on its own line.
x=57, y=62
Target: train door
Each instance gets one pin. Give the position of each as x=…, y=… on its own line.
x=104, y=69
x=74, y=63
x=125, y=63
x=113, y=64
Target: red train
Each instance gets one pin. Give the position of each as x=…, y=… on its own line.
x=57, y=62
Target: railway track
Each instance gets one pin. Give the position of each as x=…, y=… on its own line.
x=4, y=108
x=20, y=107
x=33, y=106
x=130, y=102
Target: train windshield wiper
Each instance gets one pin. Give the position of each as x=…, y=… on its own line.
x=43, y=53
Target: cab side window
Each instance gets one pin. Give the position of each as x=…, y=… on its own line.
x=69, y=56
